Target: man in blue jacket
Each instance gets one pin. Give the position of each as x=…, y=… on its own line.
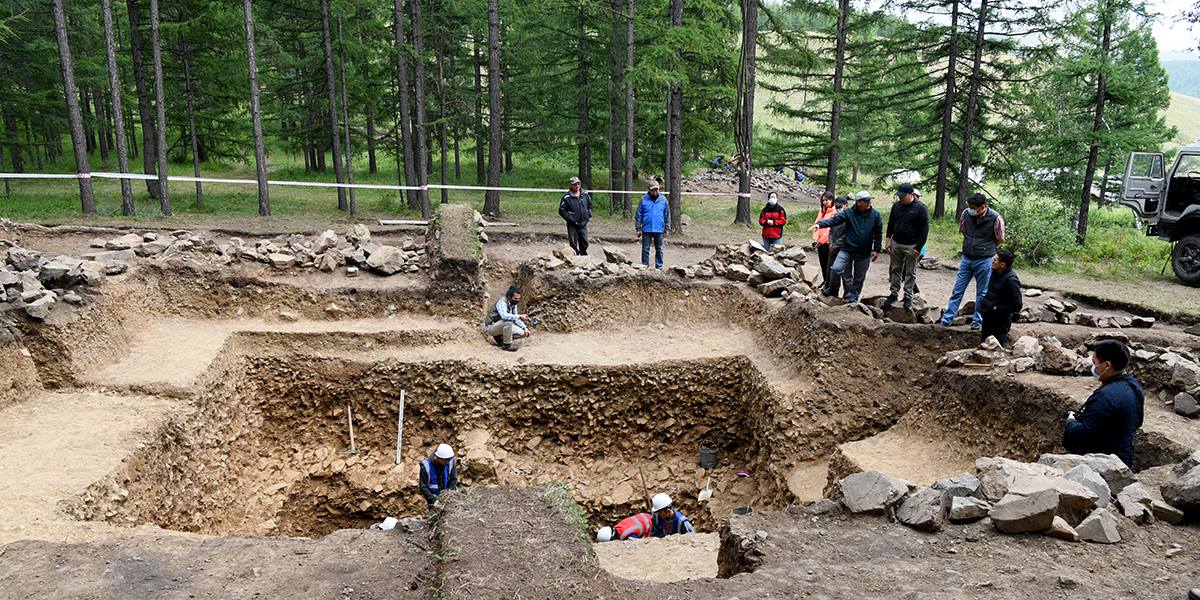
x=666, y=520
x=1113, y=413
x=860, y=244
x=653, y=220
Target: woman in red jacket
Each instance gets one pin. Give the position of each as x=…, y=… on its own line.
x=772, y=218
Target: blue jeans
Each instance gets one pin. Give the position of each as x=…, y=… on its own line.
x=852, y=272
x=979, y=269
x=657, y=238
x=768, y=242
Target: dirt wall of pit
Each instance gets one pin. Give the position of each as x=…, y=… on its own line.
x=18, y=377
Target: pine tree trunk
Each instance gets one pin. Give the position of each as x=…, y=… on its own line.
x=89, y=130
x=331, y=97
x=353, y=207
x=145, y=106
x=479, y=165
x=964, y=169
x=939, y=205
x=7, y=182
x=114, y=86
x=369, y=105
x=160, y=111
x=675, y=136
x=442, y=129
x=420, y=144
x=835, y=116
x=1089, y=172
x=491, y=202
x=629, y=108
x=14, y=146
x=583, y=128
x=404, y=120
x=102, y=135
x=74, y=118
x=190, y=90
x=616, y=104
x=743, y=122
x=260, y=152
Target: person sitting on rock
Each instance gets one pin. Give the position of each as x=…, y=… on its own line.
x=666, y=520
x=505, y=322
x=1003, y=298
x=636, y=527
x=1113, y=413
x=439, y=472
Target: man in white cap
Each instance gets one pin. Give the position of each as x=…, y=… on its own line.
x=439, y=472
x=653, y=221
x=859, y=246
x=576, y=209
x=636, y=527
x=666, y=520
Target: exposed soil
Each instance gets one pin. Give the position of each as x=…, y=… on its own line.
x=180, y=409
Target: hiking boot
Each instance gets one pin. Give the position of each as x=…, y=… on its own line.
x=908, y=304
x=890, y=302
x=508, y=347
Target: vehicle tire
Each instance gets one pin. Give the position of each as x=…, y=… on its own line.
x=1185, y=260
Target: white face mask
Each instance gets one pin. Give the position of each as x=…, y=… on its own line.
x=772, y=200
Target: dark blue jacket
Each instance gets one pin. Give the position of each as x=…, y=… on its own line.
x=1108, y=421
x=653, y=216
x=676, y=524
x=864, y=231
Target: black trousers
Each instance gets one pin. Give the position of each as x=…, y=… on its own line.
x=577, y=238
x=823, y=256
x=995, y=324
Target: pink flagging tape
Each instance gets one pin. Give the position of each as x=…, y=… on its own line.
x=323, y=184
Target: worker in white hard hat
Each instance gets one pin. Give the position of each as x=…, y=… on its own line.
x=439, y=472
x=636, y=527
x=666, y=520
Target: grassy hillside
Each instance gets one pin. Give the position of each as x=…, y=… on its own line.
x=1184, y=114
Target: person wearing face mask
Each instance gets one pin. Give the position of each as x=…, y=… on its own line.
x=1113, y=413
x=653, y=220
x=772, y=218
x=983, y=232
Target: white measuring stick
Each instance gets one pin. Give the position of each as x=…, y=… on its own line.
x=399, y=426
x=350, y=420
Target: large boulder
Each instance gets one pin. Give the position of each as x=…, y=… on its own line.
x=963, y=485
x=280, y=260
x=358, y=233
x=23, y=259
x=1026, y=346
x=1185, y=404
x=1115, y=472
x=1182, y=490
x=737, y=272
x=386, y=260
x=1023, y=514
x=922, y=510
x=963, y=509
x=795, y=253
x=125, y=242
x=1135, y=503
x=1099, y=527
x=110, y=257
x=1186, y=375
x=616, y=255
x=40, y=309
x=1088, y=477
x=998, y=474
x=1057, y=359
x=61, y=272
x=325, y=240
x=871, y=492
x=772, y=269
x=776, y=288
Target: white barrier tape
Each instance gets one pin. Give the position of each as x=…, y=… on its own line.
x=323, y=184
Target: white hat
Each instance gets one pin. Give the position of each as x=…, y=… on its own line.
x=604, y=534
x=444, y=451
x=660, y=502
x=863, y=195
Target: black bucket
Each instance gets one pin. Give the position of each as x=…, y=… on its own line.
x=708, y=456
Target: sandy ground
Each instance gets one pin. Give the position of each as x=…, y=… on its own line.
x=663, y=560
x=54, y=446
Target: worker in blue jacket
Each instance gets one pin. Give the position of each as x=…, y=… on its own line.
x=1113, y=413
x=653, y=220
x=666, y=520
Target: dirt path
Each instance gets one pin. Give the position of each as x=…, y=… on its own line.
x=54, y=446
x=662, y=560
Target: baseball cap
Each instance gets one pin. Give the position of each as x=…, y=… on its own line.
x=863, y=195
x=653, y=185
x=841, y=201
x=574, y=180
x=905, y=189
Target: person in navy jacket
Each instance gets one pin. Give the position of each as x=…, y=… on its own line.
x=1112, y=415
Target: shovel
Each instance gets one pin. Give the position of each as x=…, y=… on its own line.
x=707, y=492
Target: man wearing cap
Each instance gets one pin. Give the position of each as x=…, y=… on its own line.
x=653, y=220
x=983, y=232
x=636, y=527
x=859, y=246
x=666, y=520
x=576, y=210
x=907, y=231
x=438, y=473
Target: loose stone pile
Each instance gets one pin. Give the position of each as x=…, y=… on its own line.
x=1053, y=310
x=1066, y=496
x=33, y=284
x=761, y=180
x=1174, y=371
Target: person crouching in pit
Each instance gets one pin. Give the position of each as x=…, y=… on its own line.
x=666, y=520
x=636, y=527
x=505, y=321
x=439, y=473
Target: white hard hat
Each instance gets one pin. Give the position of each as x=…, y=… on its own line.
x=660, y=502
x=604, y=534
x=444, y=451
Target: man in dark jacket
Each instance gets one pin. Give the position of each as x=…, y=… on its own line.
x=983, y=232
x=860, y=245
x=907, y=230
x=1003, y=298
x=1112, y=415
x=576, y=210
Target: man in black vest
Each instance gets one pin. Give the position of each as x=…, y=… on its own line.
x=983, y=232
x=576, y=210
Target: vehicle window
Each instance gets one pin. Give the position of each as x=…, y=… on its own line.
x=1147, y=165
x=1188, y=163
